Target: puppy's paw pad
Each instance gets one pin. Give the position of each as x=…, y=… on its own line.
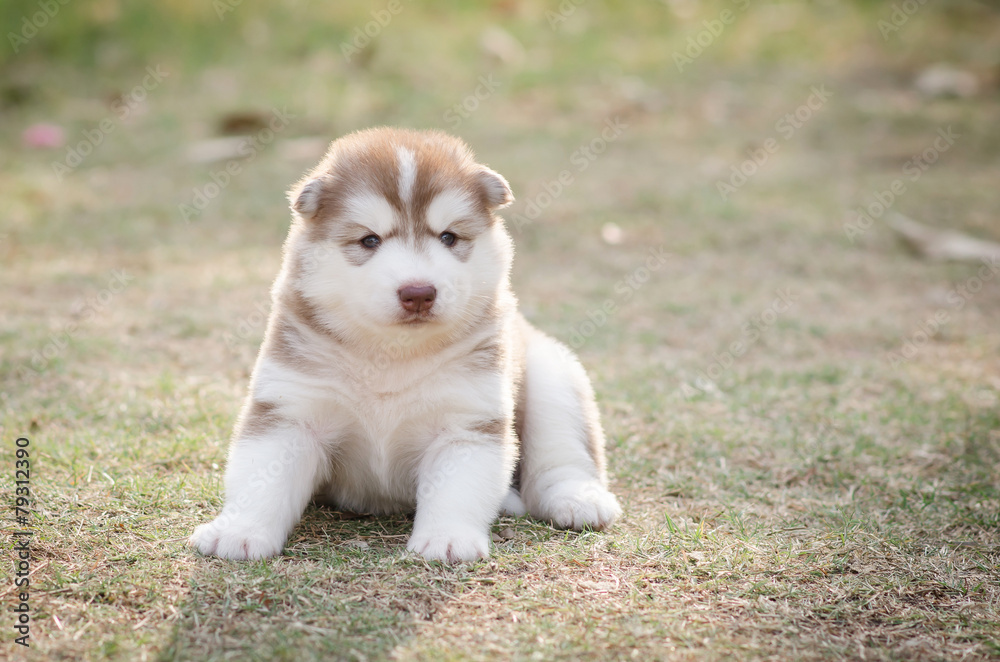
x=237, y=543
x=450, y=548
x=579, y=505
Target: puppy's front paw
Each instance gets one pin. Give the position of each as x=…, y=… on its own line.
x=235, y=540
x=577, y=504
x=450, y=546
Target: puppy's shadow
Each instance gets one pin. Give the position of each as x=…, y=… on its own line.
x=341, y=584
x=325, y=530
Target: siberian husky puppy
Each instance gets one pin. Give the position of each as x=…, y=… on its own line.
x=396, y=373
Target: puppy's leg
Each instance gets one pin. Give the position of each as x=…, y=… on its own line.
x=563, y=478
x=270, y=477
x=462, y=481
x=512, y=505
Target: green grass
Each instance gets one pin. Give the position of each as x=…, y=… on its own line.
x=811, y=502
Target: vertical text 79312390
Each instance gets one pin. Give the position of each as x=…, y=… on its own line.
x=22, y=540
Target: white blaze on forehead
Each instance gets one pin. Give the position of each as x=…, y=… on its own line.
x=371, y=210
x=449, y=206
x=407, y=173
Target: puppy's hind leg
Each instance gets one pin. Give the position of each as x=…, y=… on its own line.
x=512, y=505
x=563, y=478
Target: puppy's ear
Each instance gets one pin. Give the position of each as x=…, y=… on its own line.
x=496, y=187
x=305, y=198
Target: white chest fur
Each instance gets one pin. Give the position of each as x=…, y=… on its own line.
x=375, y=422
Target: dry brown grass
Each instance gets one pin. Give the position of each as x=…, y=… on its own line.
x=809, y=502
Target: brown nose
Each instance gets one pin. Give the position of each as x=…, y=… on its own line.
x=417, y=298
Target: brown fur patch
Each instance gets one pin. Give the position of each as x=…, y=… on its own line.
x=283, y=343
x=287, y=340
x=349, y=236
x=368, y=161
x=485, y=356
x=259, y=419
x=493, y=427
x=462, y=250
x=466, y=228
x=465, y=231
x=303, y=311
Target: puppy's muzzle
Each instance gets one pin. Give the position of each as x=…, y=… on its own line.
x=417, y=298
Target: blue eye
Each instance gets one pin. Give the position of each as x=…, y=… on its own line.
x=371, y=241
x=448, y=238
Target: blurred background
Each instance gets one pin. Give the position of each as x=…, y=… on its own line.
x=751, y=140
x=736, y=211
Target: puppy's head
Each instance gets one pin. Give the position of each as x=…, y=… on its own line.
x=397, y=231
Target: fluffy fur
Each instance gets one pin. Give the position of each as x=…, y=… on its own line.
x=377, y=400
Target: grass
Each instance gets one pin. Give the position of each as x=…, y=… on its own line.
x=806, y=500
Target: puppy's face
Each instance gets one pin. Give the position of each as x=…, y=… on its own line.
x=400, y=234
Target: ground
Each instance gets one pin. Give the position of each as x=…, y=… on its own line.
x=802, y=417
